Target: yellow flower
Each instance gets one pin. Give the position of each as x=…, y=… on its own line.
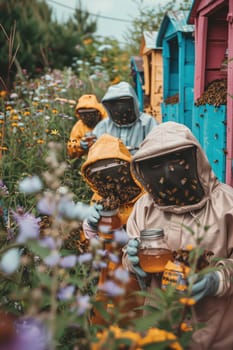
x=187, y=301
x=35, y=103
x=54, y=111
x=185, y=328
x=87, y=41
x=47, y=105
x=8, y=108
x=40, y=141
x=14, y=124
x=189, y=247
x=15, y=117
x=55, y=132
x=2, y=121
x=155, y=335
x=3, y=148
x=114, y=332
x=3, y=93
x=115, y=80
x=26, y=113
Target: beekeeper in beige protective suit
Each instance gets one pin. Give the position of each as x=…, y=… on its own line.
x=184, y=192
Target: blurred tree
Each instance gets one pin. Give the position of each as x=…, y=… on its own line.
x=24, y=37
x=149, y=19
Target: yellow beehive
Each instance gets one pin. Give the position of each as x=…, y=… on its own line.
x=153, y=75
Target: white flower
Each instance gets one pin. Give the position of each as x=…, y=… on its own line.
x=31, y=184
x=10, y=261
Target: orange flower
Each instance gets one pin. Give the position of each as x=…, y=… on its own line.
x=3, y=93
x=2, y=121
x=187, y=301
x=54, y=111
x=3, y=148
x=40, y=141
x=26, y=113
x=185, y=328
x=155, y=335
x=87, y=41
x=14, y=124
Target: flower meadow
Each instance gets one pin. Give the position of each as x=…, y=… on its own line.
x=48, y=277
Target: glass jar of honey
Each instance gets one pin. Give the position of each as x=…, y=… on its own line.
x=154, y=251
x=109, y=222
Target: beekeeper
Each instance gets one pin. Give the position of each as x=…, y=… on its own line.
x=183, y=192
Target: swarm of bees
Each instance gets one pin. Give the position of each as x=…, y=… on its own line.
x=203, y=260
x=113, y=182
x=215, y=94
x=172, y=99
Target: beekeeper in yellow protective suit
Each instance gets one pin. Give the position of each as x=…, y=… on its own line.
x=89, y=112
x=107, y=172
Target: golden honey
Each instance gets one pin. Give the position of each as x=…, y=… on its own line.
x=154, y=260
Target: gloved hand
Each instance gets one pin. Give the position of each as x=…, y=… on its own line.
x=207, y=285
x=132, y=252
x=84, y=145
x=94, y=215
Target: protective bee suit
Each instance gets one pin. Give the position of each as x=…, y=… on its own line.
x=89, y=112
x=125, y=121
x=186, y=193
x=107, y=171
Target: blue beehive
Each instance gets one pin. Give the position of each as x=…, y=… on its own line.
x=136, y=63
x=175, y=37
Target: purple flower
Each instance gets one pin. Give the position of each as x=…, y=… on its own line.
x=66, y=292
x=46, y=206
x=121, y=237
x=121, y=274
x=28, y=226
x=31, y=334
x=99, y=265
x=68, y=261
x=86, y=257
x=83, y=302
x=49, y=242
x=52, y=259
x=112, y=289
x=114, y=258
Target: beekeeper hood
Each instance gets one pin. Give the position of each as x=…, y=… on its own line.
x=89, y=110
x=172, y=167
x=107, y=171
x=122, y=104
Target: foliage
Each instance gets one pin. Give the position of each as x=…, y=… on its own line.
x=149, y=19
x=31, y=41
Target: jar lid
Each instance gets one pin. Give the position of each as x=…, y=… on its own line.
x=154, y=233
x=109, y=212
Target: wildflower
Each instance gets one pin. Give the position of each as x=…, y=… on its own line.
x=66, y=292
x=122, y=275
x=87, y=41
x=121, y=237
x=13, y=95
x=52, y=259
x=189, y=247
x=28, y=226
x=83, y=302
x=31, y=185
x=10, y=261
x=40, y=141
x=54, y=111
x=49, y=242
x=187, y=301
x=3, y=93
x=8, y=108
x=68, y=261
x=26, y=113
x=155, y=335
x=14, y=124
x=2, y=121
x=46, y=205
x=55, y=132
x=83, y=258
x=31, y=333
x=3, y=148
x=185, y=327
x=112, y=289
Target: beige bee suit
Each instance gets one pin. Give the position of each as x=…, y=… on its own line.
x=215, y=211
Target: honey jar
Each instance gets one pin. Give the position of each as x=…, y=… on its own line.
x=154, y=252
x=109, y=222
x=175, y=274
